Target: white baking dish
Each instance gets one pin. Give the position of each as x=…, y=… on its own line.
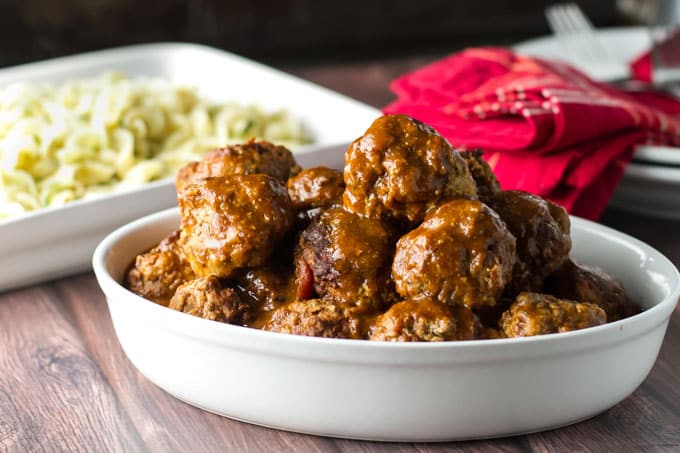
x=396, y=391
x=55, y=242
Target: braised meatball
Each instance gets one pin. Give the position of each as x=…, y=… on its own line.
x=187, y=175
x=424, y=320
x=542, y=232
x=483, y=175
x=461, y=254
x=318, y=187
x=400, y=168
x=233, y=222
x=313, y=190
x=250, y=158
x=314, y=318
x=207, y=297
x=589, y=284
x=265, y=287
x=538, y=314
x=347, y=258
x=156, y=274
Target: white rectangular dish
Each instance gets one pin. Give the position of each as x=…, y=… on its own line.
x=56, y=242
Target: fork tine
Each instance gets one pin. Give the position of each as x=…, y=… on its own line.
x=559, y=16
x=556, y=20
x=578, y=17
x=569, y=19
x=595, y=47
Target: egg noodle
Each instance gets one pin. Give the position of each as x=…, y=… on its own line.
x=89, y=137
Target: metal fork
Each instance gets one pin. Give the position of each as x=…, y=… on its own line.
x=567, y=20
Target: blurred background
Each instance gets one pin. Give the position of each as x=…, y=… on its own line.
x=286, y=30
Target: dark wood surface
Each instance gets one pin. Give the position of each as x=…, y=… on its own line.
x=66, y=385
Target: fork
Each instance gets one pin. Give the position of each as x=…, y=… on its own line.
x=567, y=21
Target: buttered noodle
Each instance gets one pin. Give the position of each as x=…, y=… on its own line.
x=88, y=137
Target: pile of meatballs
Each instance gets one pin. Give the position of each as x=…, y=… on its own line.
x=413, y=241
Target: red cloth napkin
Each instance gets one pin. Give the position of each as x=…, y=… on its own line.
x=545, y=127
x=641, y=67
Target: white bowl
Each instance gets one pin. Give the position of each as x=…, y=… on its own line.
x=58, y=241
x=396, y=391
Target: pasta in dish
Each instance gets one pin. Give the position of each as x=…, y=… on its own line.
x=89, y=137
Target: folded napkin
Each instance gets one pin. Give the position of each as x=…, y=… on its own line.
x=545, y=127
x=641, y=67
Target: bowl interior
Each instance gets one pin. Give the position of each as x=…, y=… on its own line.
x=647, y=276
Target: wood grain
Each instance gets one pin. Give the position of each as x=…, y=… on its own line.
x=53, y=394
x=161, y=420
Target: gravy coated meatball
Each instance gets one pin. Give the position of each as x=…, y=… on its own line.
x=483, y=175
x=461, y=254
x=187, y=175
x=207, y=297
x=400, y=168
x=318, y=187
x=588, y=284
x=265, y=287
x=314, y=318
x=411, y=242
x=313, y=190
x=233, y=222
x=539, y=314
x=542, y=232
x=347, y=258
x=157, y=273
x=424, y=320
x=250, y=158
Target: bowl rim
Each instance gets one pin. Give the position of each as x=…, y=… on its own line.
x=275, y=343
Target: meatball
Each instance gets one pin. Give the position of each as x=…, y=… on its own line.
x=542, y=232
x=313, y=190
x=207, y=297
x=233, y=222
x=187, y=175
x=424, y=320
x=461, y=254
x=156, y=274
x=483, y=175
x=250, y=158
x=317, y=187
x=400, y=168
x=347, y=258
x=265, y=287
x=588, y=284
x=538, y=314
x=314, y=318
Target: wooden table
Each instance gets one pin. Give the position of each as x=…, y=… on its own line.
x=65, y=383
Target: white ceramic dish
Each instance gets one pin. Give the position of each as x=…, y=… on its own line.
x=55, y=242
x=395, y=391
x=665, y=155
x=649, y=189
